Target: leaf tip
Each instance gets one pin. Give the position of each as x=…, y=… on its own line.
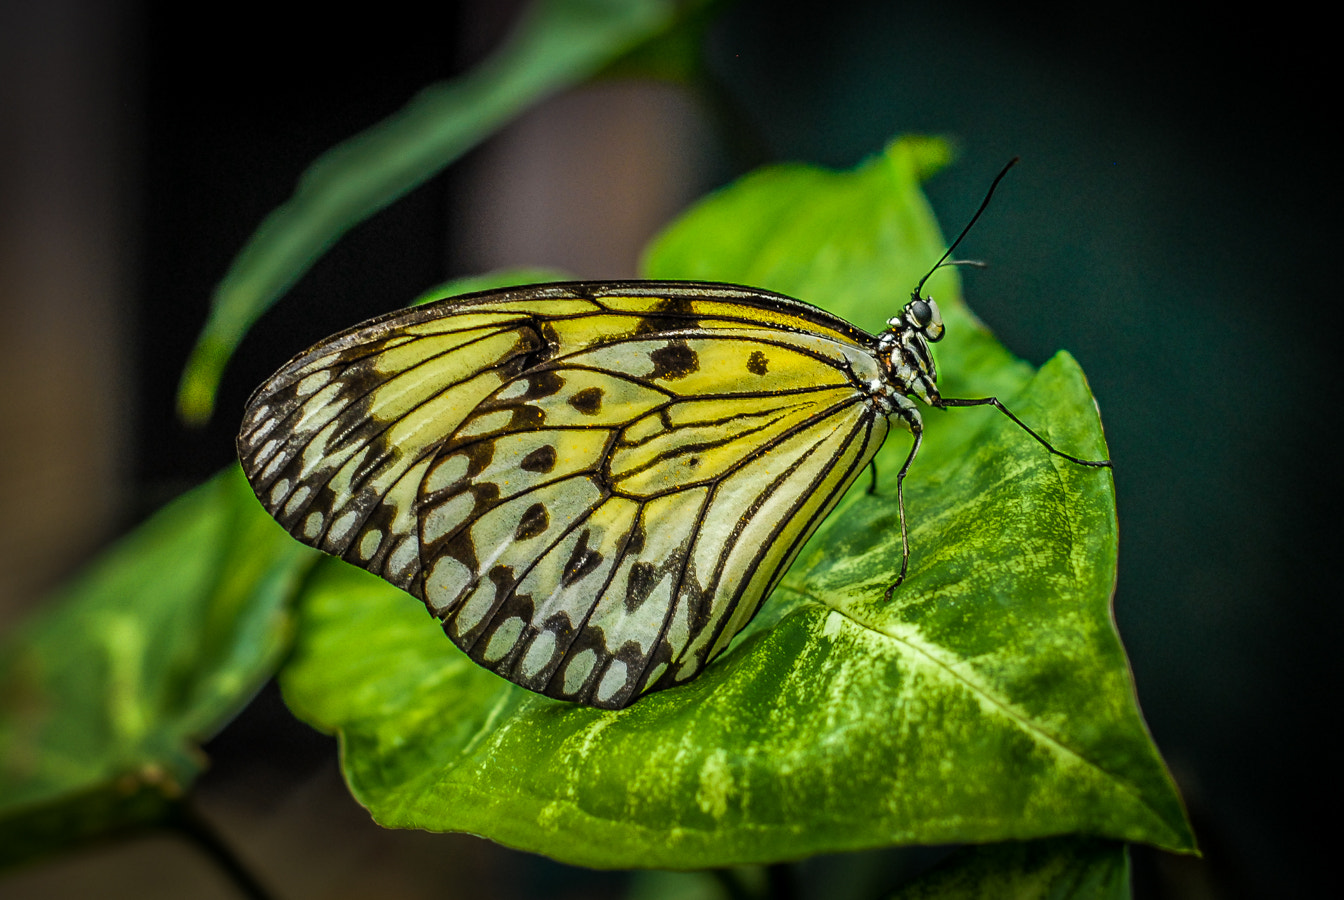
x=200, y=380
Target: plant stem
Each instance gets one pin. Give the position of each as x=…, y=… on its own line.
x=189, y=823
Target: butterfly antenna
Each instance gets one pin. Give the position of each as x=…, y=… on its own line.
x=966, y=262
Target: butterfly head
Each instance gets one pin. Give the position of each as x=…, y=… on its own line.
x=923, y=316
x=904, y=346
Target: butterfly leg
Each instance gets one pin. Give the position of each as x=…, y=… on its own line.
x=917, y=429
x=994, y=402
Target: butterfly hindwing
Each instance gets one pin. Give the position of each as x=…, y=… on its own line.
x=593, y=486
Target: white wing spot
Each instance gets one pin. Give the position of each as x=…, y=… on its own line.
x=368, y=545
x=446, y=582
x=612, y=680
x=679, y=629
x=312, y=526
x=312, y=382
x=657, y=673
x=297, y=499
x=400, y=560
x=538, y=655
x=317, y=407
x=445, y=517
x=446, y=472
x=340, y=529
x=513, y=389
x=486, y=424
x=274, y=465
x=260, y=429
x=504, y=639
x=578, y=670
x=278, y=492
x=475, y=609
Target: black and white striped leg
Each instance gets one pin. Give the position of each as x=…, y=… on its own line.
x=917, y=429
x=994, y=402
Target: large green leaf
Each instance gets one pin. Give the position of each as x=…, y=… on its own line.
x=989, y=700
x=105, y=696
x=557, y=44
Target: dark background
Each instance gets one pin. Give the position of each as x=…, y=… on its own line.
x=1171, y=224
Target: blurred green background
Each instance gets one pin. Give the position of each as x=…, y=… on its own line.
x=1171, y=224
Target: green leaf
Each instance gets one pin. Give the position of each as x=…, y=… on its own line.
x=558, y=43
x=105, y=696
x=989, y=700
x=1057, y=869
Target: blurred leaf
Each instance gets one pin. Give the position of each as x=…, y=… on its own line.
x=989, y=700
x=105, y=696
x=557, y=44
x=1058, y=869
x=677, y=54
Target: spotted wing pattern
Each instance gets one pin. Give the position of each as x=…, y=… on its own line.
x=593, y=486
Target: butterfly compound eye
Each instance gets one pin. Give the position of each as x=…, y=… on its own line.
x=920, y=313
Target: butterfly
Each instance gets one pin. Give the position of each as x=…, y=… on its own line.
x=593, y=485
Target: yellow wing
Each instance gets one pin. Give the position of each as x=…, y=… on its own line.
x=594, y=486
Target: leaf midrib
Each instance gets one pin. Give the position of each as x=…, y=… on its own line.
x=1025, y=722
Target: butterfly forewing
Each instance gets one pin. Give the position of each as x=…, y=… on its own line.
x=593, y=486
x=336, y=444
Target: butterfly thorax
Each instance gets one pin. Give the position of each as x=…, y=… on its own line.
x=903, y=350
